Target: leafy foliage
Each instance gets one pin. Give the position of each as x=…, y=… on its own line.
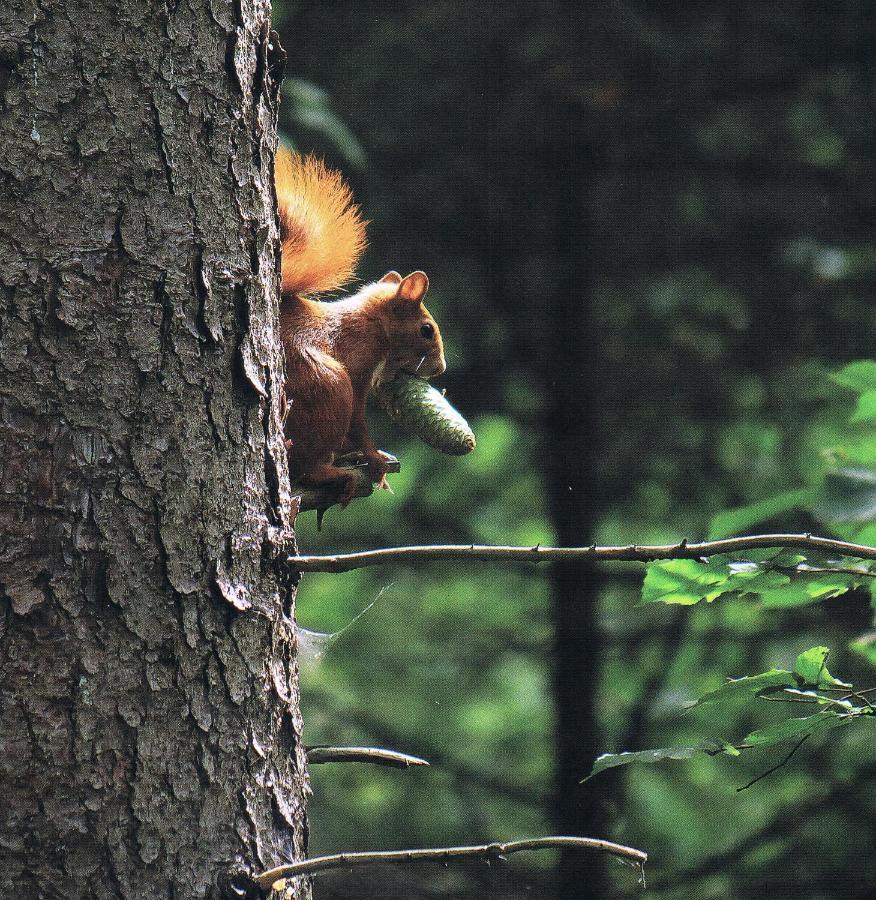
x=787, y=579
x=860, y=377
x=780, y=580
x=810, y=682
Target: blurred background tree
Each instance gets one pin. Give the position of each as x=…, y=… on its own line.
x=649, y=233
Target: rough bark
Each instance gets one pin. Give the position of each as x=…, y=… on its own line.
x=149, y=721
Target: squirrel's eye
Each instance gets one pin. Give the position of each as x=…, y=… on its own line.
x=427, y=331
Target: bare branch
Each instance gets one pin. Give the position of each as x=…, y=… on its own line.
x=830, y=570
x=442, y=854
x=345, y=562
x=376, y=755
x=459, y=765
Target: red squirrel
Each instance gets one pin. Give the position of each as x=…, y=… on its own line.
x=335, y=351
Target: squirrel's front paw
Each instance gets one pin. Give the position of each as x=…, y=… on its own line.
x=378, y=467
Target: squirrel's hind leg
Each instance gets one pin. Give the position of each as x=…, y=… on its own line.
x=320, y=401
x=328, y=475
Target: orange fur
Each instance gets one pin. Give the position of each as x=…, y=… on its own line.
x=335, y=351
x=321, y=229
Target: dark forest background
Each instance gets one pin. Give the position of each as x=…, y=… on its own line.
x=649, y=233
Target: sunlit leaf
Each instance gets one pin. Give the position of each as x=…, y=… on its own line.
x=809, y=587
x=859, y=376
x=685, y=581
x=809, y=669
x=612, y=760
x=779, y=580
x=682, y=581
x=789, y=729
x=857, y=449
x=811, y=666
x=749, y=686
x=865, y=410
x=748, y=577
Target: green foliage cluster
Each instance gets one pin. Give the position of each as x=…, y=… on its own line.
x=810, y=683
x=781, y=579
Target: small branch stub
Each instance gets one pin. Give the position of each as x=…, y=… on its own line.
x=443, y=854
x=375, y=755
x=346, y=562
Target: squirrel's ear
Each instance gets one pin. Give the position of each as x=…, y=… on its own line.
x=391, y=278
x=413, y=287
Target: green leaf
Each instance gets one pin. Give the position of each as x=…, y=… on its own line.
x=780, y=580
x=682, y=581
x=809, y=587
x=811, y=666
x=750, y=577
x=848, y=495
x=749, y=686
x=686, y=581
x=611, y=760
x=865, y=411
x=789, y=729
x=857, y=449
x=742, y=518
x=859, y=376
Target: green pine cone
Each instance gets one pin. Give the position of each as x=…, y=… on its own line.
x=422, y=410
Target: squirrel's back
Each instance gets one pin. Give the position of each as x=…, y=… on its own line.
x=321, y=228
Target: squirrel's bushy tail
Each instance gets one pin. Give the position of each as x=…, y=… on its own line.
x=321, y=228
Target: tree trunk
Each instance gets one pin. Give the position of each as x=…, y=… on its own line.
x=572, y=432
x=149, y=720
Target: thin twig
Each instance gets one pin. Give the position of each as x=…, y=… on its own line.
x=794, y=695
x=777, y=766
x=861, y=697
x=345, y=562
x=376, y=755
x=440, y=854
x=829, y=570
x=840, y=689
x=780, y=699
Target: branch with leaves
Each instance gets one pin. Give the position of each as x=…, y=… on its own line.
x=346, y=562
x=444, y=854
x=810, y=683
